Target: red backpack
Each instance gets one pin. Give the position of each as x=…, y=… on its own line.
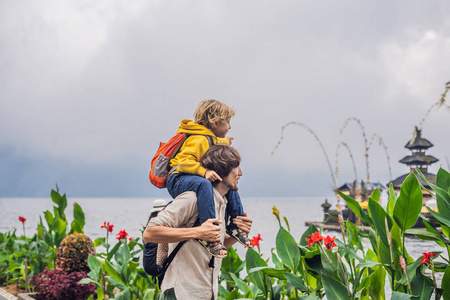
x=160, y=166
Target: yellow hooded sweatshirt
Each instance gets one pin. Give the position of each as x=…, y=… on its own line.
x=195, y=146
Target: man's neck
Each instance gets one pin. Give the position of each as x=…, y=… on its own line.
x=221, y=188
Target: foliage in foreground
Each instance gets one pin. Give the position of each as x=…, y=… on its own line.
x=313, y=267
x=319, y=266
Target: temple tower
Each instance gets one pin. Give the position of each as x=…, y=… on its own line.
x=418, y=159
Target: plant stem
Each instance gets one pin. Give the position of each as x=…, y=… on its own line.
x=345, y=276
x=306, y=278
x=434, y=277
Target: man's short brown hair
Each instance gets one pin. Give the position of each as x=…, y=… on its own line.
x=221, y=159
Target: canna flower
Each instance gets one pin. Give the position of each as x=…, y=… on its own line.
x=122, y=235
x=22, y=219
x=329, y=242
x=256, y=239
x=314, y=238
x=108, y=227
x=275, y=211
x=427, y=258
x=130, y=239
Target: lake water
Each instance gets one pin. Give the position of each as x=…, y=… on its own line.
x=132, y=213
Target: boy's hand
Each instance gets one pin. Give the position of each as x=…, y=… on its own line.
x=212, y=176
x=229, y=138
x=244, y=223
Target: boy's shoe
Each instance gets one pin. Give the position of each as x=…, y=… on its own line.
x=213, y=248
x=241, y=237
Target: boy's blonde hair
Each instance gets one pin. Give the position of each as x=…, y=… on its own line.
x=212, y=111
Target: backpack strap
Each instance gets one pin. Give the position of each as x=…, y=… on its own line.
x=172, y=256
x=210, y=142
x=165, y=266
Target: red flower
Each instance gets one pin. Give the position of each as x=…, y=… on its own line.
x=256, y=239
x=427, y=258
x=329, y=242
x=130, y=239
x=107, y=226
x=22, y=219
x=314, y=238
x=122, y=235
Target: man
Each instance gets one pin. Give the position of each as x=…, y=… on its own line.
x=193, y=274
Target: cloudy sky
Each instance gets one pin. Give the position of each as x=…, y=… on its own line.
x=88, y=89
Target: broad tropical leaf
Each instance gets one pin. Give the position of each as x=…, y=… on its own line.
x=409, y=203
x=287, y=249
x=334, y=289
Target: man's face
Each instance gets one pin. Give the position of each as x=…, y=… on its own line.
x=231, y=181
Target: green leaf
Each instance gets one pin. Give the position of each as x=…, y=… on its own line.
x=445, y=284
x=232, y=263
x=296, y=281
x=234, y=294
x=113, y=251
x=444, y=219
x=400, y=296
x=124, y=295
x=122, y=255
x=89, y=280
x=334, y=289
x=276, y=261
x=356, y=208
x=112, y=271
x=241, y=284
x=368, y=264
x=49, y=218
x=99, y=241
x=78, y=214
x=429, y=236
x=379, y=217
x=149, y=294
x=118, y=284
x=330, y=262
x=254, y=260
x=287, y=249
x=421, y=286
x=443, y=182
x=76, y=227
x=310, y=297
x=272, y=272
x=93, y=262
x=392, y=200
x=409, y=203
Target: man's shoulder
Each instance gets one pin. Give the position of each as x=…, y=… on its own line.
x=179, y=213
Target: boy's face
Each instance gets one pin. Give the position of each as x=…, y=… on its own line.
x=221, y=128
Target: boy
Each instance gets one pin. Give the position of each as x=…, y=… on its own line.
x=210, y=126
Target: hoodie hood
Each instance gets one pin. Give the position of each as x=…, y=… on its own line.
x=190, y=127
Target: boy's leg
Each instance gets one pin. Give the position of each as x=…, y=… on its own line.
x=179, y=183
x=234, y=209
x=182, y=182
x=234, y=204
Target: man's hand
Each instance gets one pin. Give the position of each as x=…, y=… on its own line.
x=212, y=176
x=244, y=223
x=208, y=231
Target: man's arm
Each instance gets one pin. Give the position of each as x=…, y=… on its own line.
x=163, y=234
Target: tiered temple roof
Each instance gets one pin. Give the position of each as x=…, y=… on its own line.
x=418, y=159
